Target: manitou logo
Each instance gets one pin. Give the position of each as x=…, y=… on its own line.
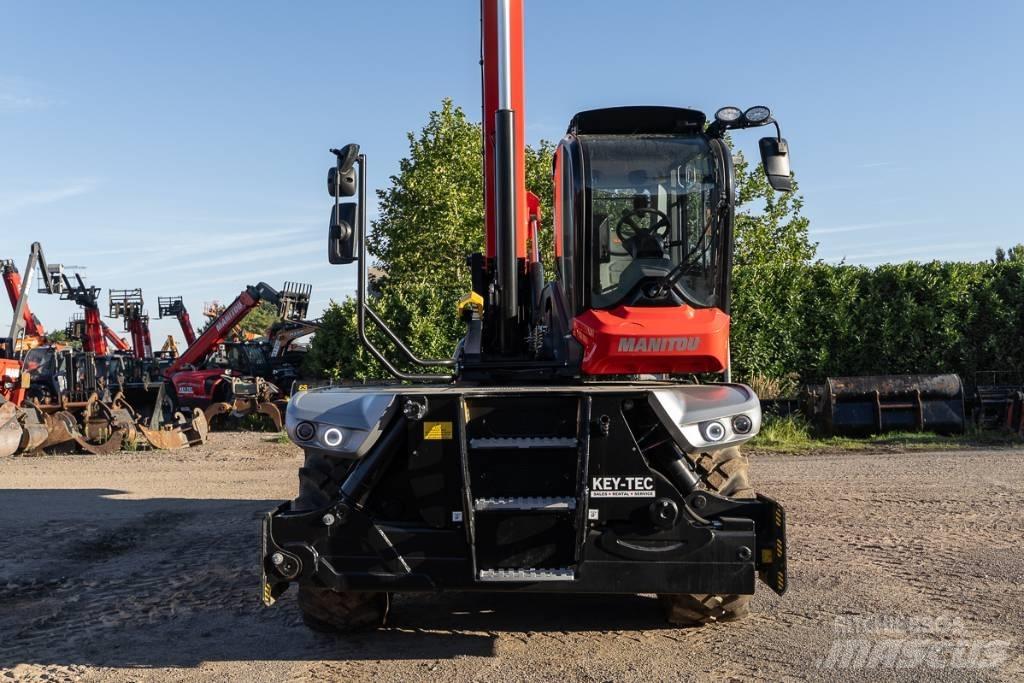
x=228, y=319
x=657, y=344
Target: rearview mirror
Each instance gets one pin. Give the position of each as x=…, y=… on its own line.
x=342, y=240
x=775, y=158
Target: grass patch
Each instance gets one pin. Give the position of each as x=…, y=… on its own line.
x=280, y=437
x=794, y=434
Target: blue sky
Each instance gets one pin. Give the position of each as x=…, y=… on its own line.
x=181, y=147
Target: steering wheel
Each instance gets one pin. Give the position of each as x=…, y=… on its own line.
x=644, y=241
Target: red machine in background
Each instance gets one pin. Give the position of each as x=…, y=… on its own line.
x=128, y=304
x=236, y=377
x=175, y=306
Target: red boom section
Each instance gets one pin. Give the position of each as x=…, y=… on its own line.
x=12, y=281
x=215, y=333
x=95, y=341
x=629, y=340
x=111, y=336
x=186, y=327
x=489, y=12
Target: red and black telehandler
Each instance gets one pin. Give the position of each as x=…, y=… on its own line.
x=237, y=378
x=557, y=450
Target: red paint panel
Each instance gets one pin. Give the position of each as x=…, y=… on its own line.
x=647, y=340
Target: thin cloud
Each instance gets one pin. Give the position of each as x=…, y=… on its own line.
x=858, y=227
x=76, y=188
x=918, y=253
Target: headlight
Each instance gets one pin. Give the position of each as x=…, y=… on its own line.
x=742, y=424
x=713, y=431
x=304, y=431
x=333, y=437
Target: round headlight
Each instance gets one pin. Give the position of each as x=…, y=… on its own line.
x=714, y=431
x=728, y=114
x=333, y=437
x=742, y=424
x=304, y=431
x=757, y=114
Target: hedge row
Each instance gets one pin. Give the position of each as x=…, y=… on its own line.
x=824, y=320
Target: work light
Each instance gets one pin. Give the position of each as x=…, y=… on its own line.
x=757, y=115
x=727, y=115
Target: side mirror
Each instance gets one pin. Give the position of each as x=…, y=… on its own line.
x=342, y=240
x=775, y=158
x=341, y=184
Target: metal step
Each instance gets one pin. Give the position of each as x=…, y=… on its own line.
x=527, y=574
x=524, y=442
x=511, y=503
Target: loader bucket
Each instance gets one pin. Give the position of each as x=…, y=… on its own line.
x=149, y=401
x=860, y=406
x=61, y=430
x=35, y=432
x=186, y=431
x=10, y=429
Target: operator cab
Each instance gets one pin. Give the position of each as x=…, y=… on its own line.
x=636, y=192
x=643, y=214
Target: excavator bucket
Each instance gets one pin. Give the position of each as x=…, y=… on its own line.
x=10, y=428
x=215, y=410
x=274, y=410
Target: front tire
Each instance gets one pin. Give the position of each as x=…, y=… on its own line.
x=325, y=610
x=726, y=472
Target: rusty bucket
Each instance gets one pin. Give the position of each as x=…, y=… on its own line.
x=861, y=406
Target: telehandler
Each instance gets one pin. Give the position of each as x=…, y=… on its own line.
x=557, y=450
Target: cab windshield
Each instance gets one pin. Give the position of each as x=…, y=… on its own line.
x=652, y=201
x=40, y=362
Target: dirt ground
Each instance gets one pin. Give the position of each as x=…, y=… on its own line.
x=143, y=566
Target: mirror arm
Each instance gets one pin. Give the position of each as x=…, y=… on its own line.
x=363, y=307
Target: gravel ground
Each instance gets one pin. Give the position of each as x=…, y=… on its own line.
x=142, y=566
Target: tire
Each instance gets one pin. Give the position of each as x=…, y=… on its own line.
x=725, y=472
x=325, y=610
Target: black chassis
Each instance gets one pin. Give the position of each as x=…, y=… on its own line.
x=404, y=520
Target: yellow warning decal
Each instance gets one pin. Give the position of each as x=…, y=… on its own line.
x=303, y=387
x=437, y=431
x=766, y=556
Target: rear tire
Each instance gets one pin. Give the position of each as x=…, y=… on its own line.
x=325, y=610
x=726, y=472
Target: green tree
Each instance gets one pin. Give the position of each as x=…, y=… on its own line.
x=770, y=228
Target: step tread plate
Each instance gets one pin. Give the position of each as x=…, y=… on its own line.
x=527, y=574
x=524, y=442
x=552, y=503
